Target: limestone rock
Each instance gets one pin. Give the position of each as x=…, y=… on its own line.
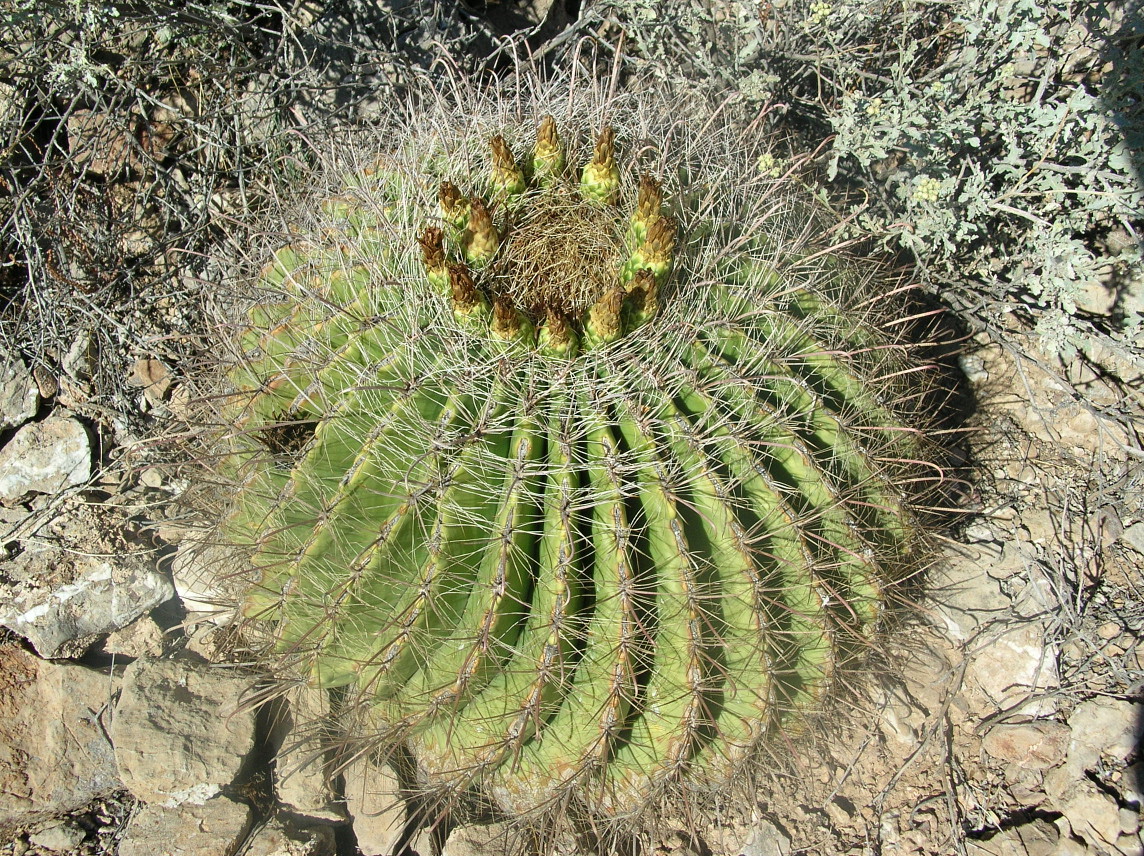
x=761, y=838
x=54, y=753
x=180, y=731
x=964, y=597
x=1039, y=838
x=1031, y=746
x=301, y=780
x=476, y=840
x=79, y=575
x=201, y=573
x=141, y=638
x=104, y=595
x=1014, y=663
x=373, y=797
x=1104, y=726
x=46, y=457
x=217, y=827
x=19, y=393
x=59, y=837
x=1093, y=815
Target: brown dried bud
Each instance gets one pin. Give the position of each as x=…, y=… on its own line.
x=660, y=239
x=454, y=207
x=643, y=297
x=605, y=152
x=650, y=199
x=463, y=288
x=605, y=322
x=432, y=243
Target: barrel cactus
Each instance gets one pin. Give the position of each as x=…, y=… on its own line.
x=569, y=449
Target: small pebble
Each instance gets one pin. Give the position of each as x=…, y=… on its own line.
x=979, y=533
x=1109, y=630
x=974, y=368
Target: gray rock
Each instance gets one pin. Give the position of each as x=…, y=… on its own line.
x=101, y=596
x=180, y=730
x=59, y=837
x=973, y=367
x=19, y=393
x=1013, y=664
x=1031, y=746
x=54, y=753
x=215, y=828
x=1133, y=536
x=373, y=797
x=46, y=457
x=766, y=839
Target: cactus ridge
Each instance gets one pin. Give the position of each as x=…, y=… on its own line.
x=600, y=479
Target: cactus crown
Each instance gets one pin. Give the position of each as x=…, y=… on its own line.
x=560, y=253
x=568, y=542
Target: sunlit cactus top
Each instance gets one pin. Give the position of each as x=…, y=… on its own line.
x=564, y=268
x=582, y=468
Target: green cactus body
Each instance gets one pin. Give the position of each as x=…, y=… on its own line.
x=582, y=500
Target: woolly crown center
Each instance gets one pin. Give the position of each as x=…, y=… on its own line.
x=562, y=256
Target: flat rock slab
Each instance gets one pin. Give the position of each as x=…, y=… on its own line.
x=54, y=753
x=181, y=732
x=45, y=457
x=1031, y=745
x=218, y=827
x=374, y=801
x=104, y=596
x=301, y=779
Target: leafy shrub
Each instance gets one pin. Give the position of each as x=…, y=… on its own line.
x=997, y=140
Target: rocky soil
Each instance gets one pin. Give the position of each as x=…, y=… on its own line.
x=1004, y=716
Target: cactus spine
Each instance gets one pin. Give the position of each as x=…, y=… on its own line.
x=597, y=485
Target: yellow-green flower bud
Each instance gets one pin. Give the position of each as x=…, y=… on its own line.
x=509, y=324
x=508, y=180
x=655, y=253
x=648, y=209
x=605, y=318
x=548, y=162
x=480, y=242
x=556, y=337
x=601, y=178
